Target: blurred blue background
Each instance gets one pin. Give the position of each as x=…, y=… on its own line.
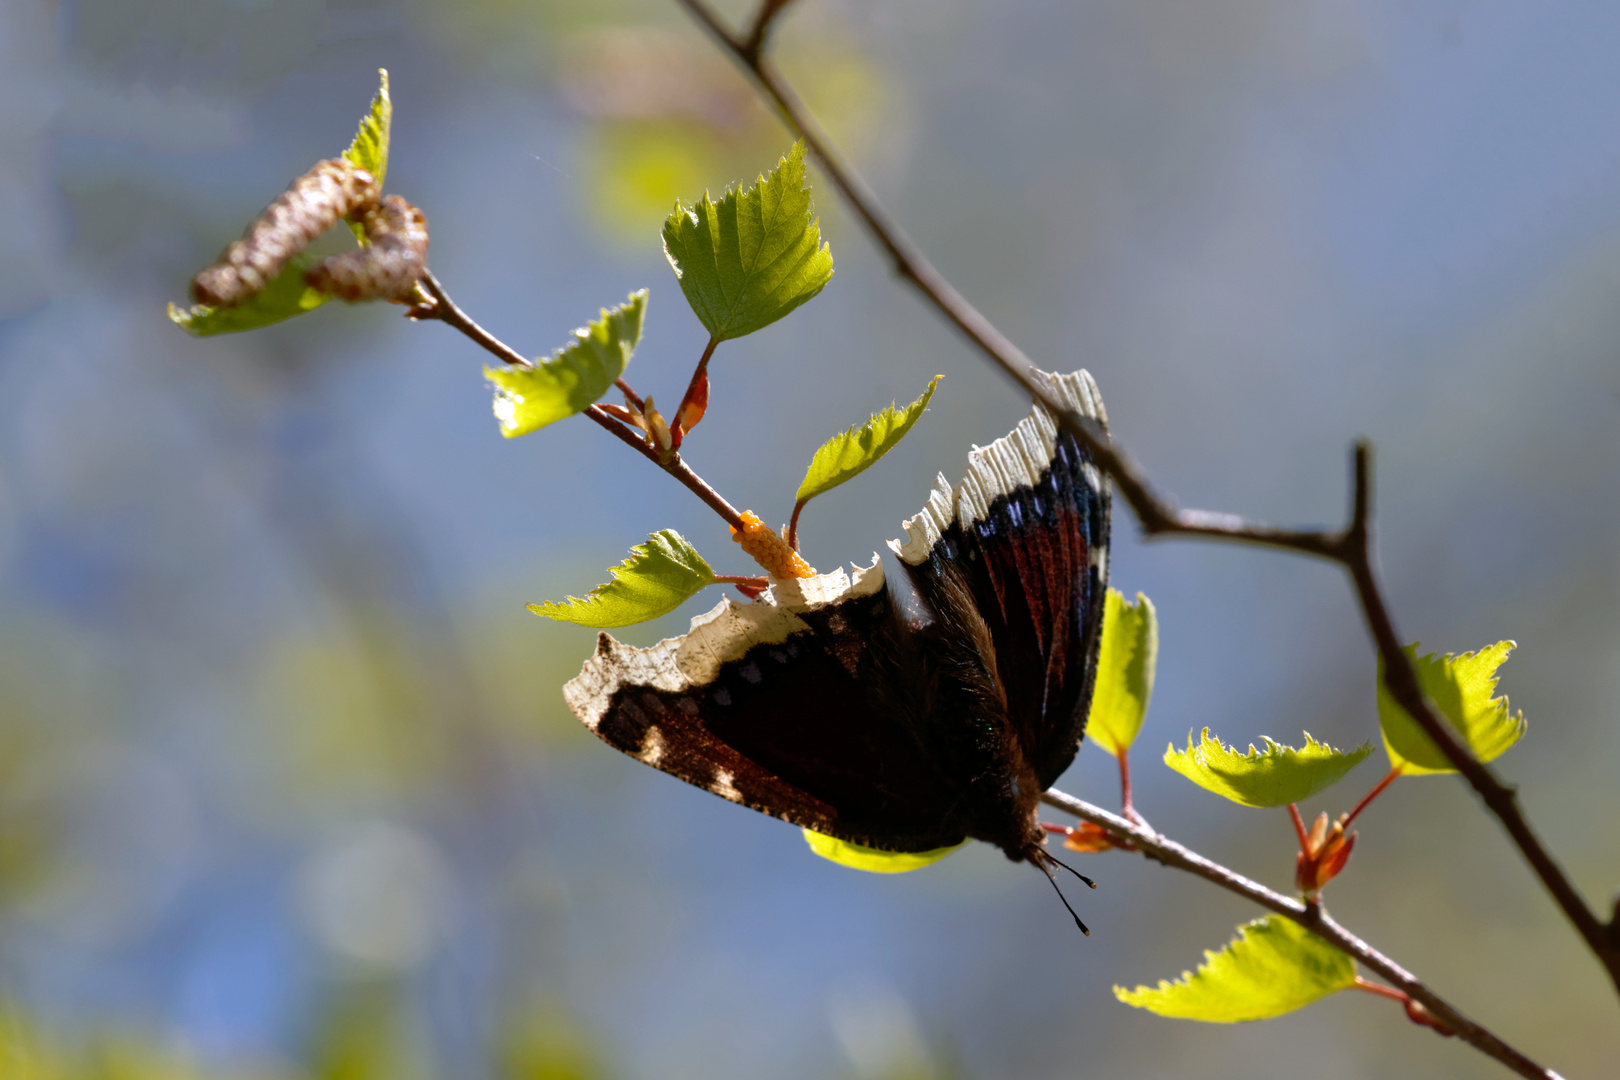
x=287, y=786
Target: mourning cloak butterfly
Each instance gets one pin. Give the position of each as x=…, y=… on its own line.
x=822, y=704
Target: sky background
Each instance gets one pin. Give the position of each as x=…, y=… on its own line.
x=288, y=788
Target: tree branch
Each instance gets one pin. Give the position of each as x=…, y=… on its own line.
x=1351, y=547
x=1167, y=852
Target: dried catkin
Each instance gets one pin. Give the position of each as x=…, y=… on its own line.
x=390, y=267
x=312, y=204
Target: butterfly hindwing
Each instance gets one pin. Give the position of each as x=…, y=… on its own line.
x=809, y=715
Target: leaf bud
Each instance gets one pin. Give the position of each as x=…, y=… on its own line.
x=657, y=430
x=1327, y=849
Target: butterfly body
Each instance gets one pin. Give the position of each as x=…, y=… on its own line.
x=824, y=704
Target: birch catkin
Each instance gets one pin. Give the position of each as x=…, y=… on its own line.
x=313, y=203
x=387, y=269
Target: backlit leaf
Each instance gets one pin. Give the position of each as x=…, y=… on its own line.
x=284, y=297
x=1125, y=664
x=653, y=581
x=1461, y=688
x=369, y=150
x=1272, y=967
x=570, y=381
x=752, y=257
x=857, y=857
x=851, y=452
x=1275, y=776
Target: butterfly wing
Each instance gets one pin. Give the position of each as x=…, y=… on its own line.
x=1027, y=533
x=804, y=708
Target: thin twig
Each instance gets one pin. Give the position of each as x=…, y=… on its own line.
x=1167, y=852
x=1366, y=800
x=754, y=44
x=445, y=310
x=1380, y=989
x=1125, y=805
x=793, y=524
x=1158, y=515
x=629, y=395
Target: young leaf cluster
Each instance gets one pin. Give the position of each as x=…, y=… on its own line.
x=743, y=263
x=1274, y=965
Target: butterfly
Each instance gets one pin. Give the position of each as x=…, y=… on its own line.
x=823, y=704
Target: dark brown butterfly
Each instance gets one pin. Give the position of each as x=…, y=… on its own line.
x=823, y=704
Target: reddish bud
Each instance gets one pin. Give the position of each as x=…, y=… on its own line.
x=1090, y=838
x=624, y=415
x=1419, y=1013
x=657, y=430
x=696, y=403
x=1327, y=849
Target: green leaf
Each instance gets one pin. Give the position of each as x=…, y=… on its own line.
x=369, y=149
x=1461, y=688
x=846, y=455
x=657, y=577
x=527, y=399
x=754, y=256
x=857, y=857
x=283, y=298
x=1275, y=776
x=1125, y=664
x=1272, y=967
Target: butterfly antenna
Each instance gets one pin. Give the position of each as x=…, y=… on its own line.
x=1050, y=877
x=1073, y=871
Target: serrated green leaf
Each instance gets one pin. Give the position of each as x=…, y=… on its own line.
x=1272, y=967
x=1461, y=688
x=873, y=861
x=1125, y=665
x=849, y=453
x=369, y=149
x=570, y=381
x=1275, y=776
x=284, y=297
x=754, y=256
x=657, y=577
